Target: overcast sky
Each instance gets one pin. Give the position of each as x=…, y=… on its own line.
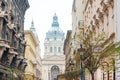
x=42, y=11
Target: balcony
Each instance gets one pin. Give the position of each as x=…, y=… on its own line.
x=81, y=24
x=111, y=2
x=100, y=16
x=4, y=43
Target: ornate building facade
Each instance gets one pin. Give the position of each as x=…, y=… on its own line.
x=12, y=42
x=53, y=62
x=32, y=54
x=118, y=40
x=99, y=16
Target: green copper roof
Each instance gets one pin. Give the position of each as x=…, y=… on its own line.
x=55, y=30
x=55, y=21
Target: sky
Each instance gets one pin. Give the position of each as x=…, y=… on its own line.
x=42, y=12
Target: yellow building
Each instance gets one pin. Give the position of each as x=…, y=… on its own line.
x=30, y=55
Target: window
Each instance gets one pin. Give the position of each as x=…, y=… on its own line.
x=59, y=49
x=3, y=6
x=48, y=39
x=55, y=50
x=50, y=49
x=7, y=36
x=55, y=32
x=54, y=71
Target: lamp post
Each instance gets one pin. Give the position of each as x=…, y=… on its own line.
x=33, y=76
x=71, y=65
x=71, y=69
x=12, y=72
x=81, y=50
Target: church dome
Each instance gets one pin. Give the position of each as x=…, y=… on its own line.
x=55, y=31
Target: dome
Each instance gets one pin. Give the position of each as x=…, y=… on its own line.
x=55, y=30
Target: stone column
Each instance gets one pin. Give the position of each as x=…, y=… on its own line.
x=24, y=64
x=2, y=49
x=19, y=58
x=1, y=25
x=11, y=54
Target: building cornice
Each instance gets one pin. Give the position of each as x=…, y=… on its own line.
x=33, y=36
x=31, y=49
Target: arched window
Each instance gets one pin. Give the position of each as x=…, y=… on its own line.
x=50, y=49
x=59, y=49
x=54, y=72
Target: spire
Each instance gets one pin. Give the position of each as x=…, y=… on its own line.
x=55, y=21
x=32, y=28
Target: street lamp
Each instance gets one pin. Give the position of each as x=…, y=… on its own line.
x=12, y=71
x=33, y=76
x=81, y=50
x=71, y=65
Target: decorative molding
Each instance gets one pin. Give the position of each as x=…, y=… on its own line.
x=33, y=62
x=2, y=49
x=86, y=5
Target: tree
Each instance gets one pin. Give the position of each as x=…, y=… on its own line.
x=98, y=46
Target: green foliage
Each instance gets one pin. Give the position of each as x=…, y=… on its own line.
x=118, y=50
x=93, y=51
x=98, y=46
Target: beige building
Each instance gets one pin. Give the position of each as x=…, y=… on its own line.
x=67, y=51
x=98, y=14
x=39, y=64
x=101, y=15
x=32, y=55
x=118, y=39
x=53, y=62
